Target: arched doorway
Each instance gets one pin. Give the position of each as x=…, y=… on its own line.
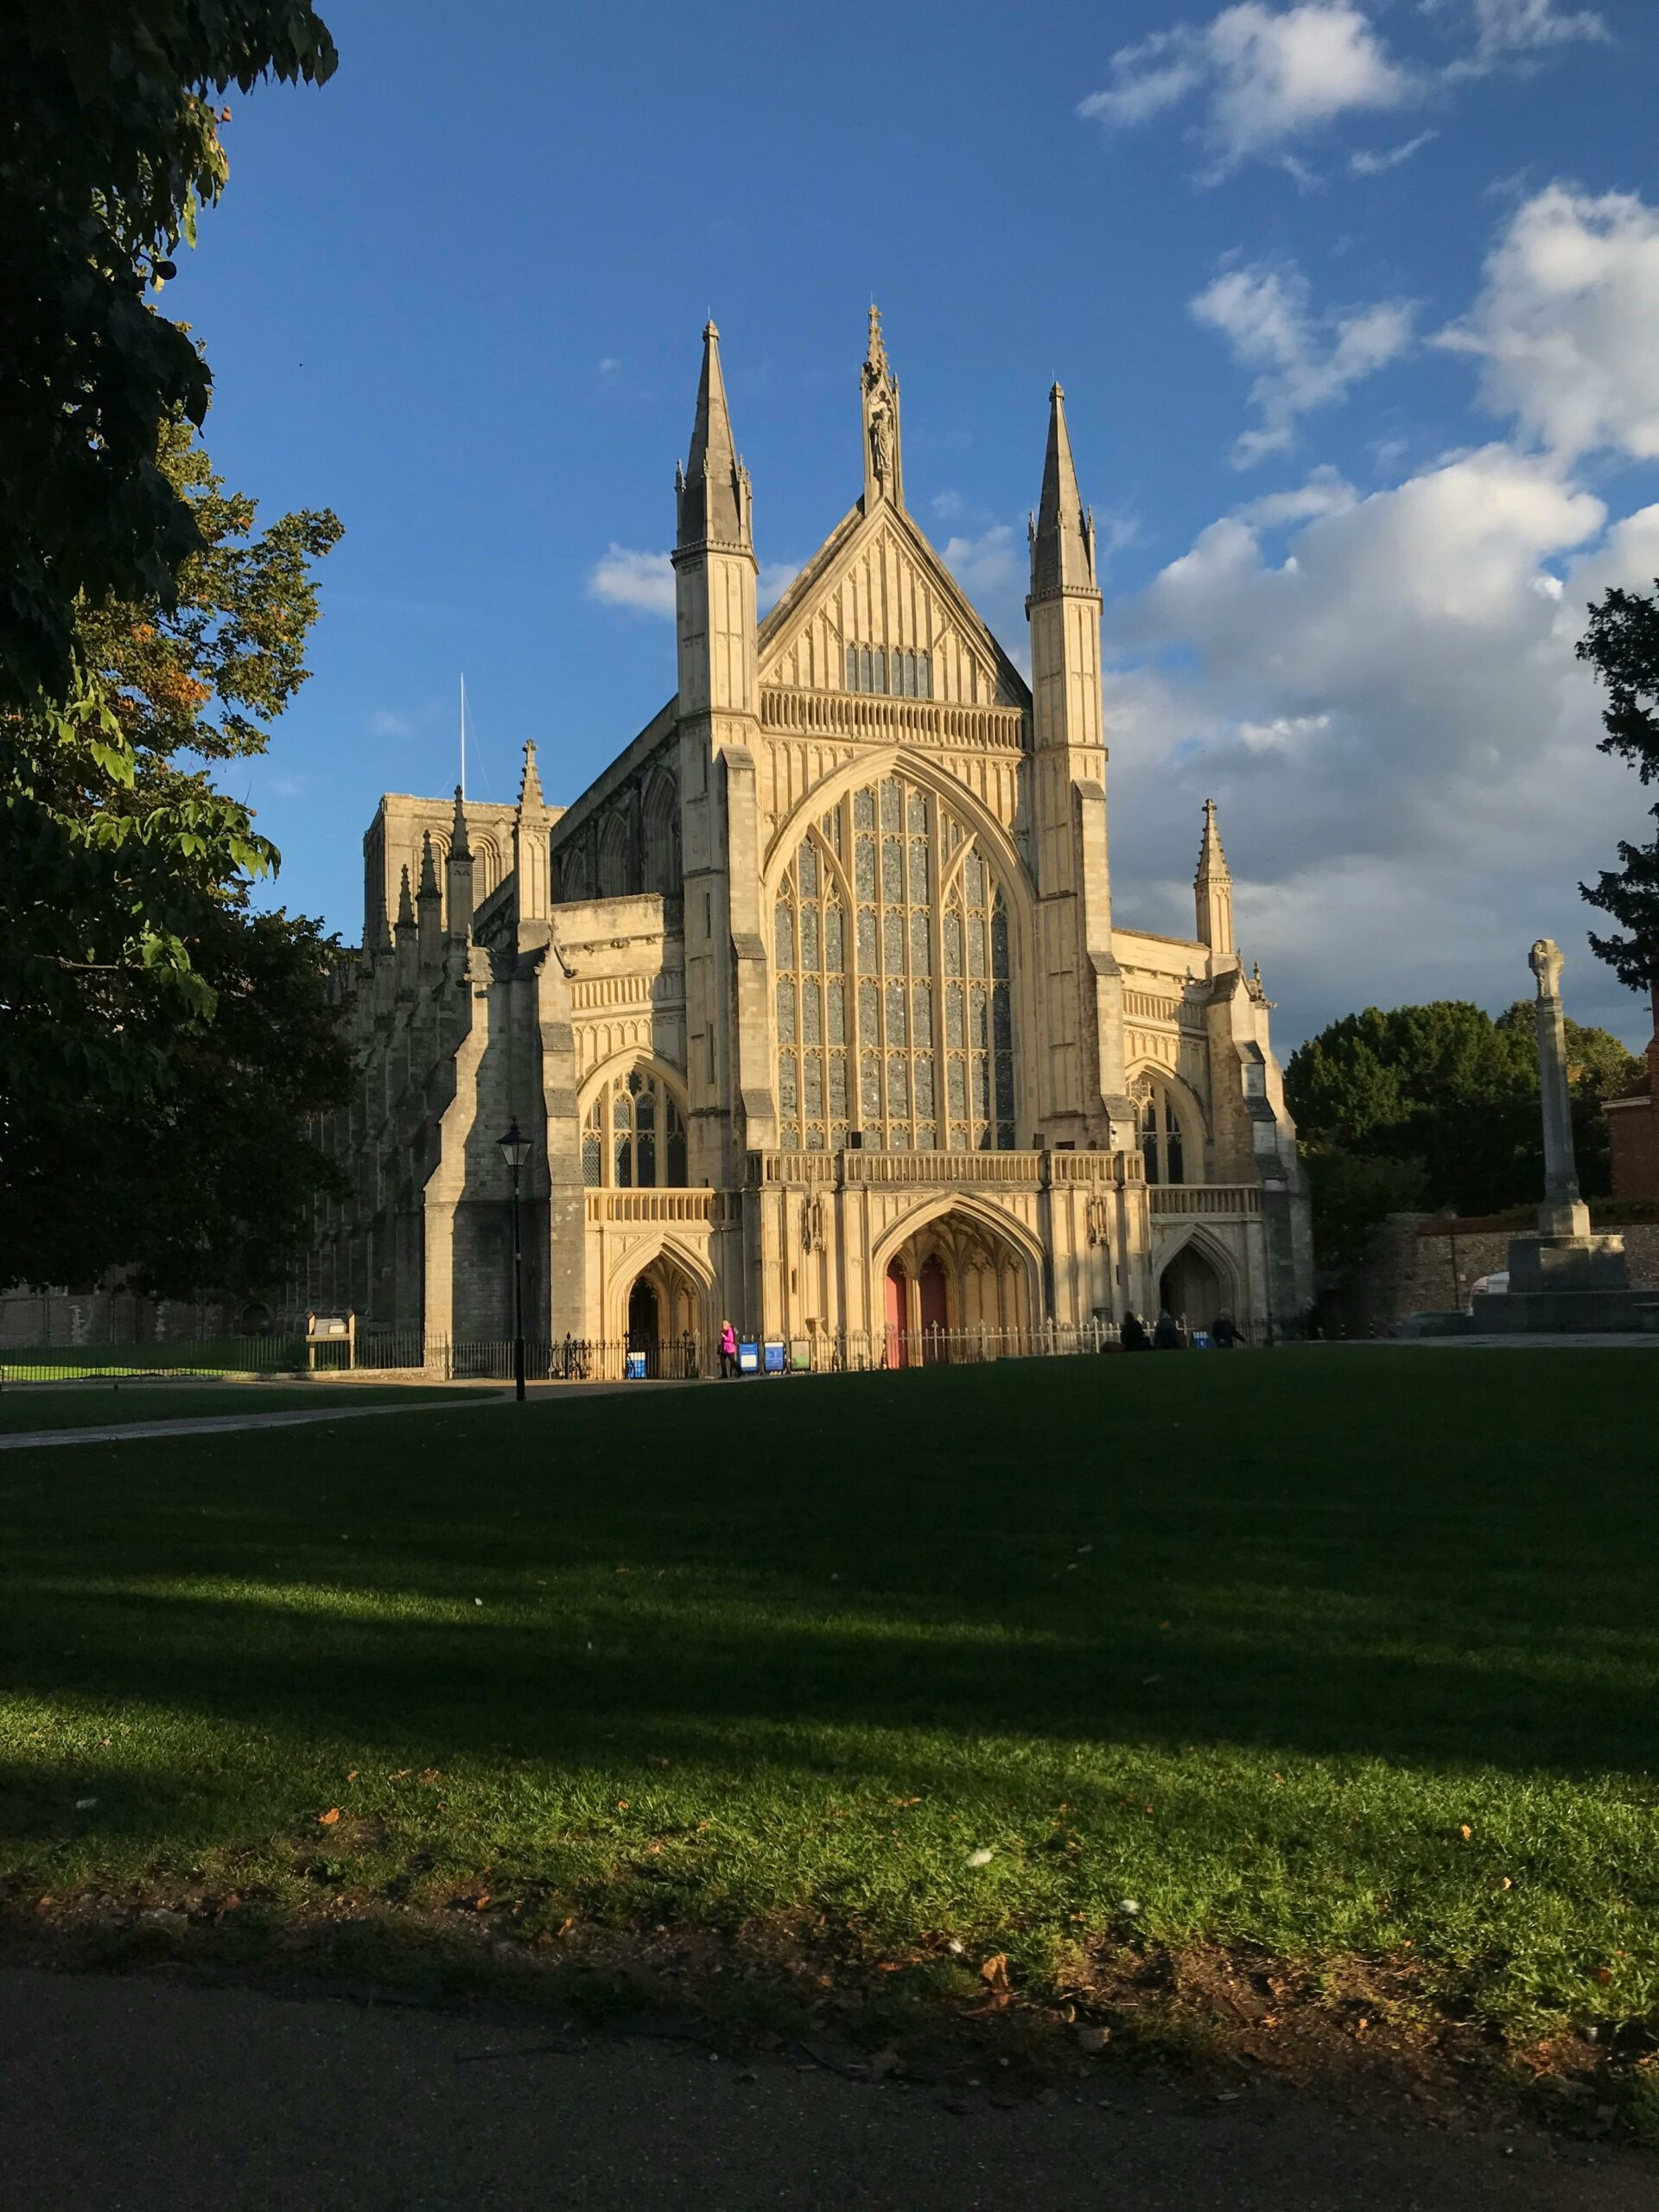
x=1190, y=1288
x=664, y=1317
x=642, y=1322
x=956, y=1287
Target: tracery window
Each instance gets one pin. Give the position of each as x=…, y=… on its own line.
x=634, y=1136
x=900, y=673
x=893, y=1005
x=1160, y=1131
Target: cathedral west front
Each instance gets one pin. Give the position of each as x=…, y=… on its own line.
x=812, y=1005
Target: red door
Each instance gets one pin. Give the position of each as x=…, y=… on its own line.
x=898, y=1315
x=932, y=1286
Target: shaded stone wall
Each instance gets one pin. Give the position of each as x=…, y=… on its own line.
x=1428, y=1263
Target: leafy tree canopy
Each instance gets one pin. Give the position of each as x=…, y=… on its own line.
x=109, y=147
x=1622, y=644
x=1436, y=1106
x=139, y=1122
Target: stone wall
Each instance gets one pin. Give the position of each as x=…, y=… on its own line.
x=109, y=1314
x=1429, y=1263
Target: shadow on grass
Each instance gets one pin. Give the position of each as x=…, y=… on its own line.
x=1431, y=1557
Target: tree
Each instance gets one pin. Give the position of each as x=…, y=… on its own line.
x=109, y=147
x=1436, y=1106
x=138, y=1121
x=1622, y=644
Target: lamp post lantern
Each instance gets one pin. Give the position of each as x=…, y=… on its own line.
x=515, y=1151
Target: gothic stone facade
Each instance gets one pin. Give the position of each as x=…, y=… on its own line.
x=812, y=1002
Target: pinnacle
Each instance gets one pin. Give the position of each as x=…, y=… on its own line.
x=1062, y=554
x=709, y=503
x=530, y=787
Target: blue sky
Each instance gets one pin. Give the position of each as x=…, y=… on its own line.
x=1357, y=308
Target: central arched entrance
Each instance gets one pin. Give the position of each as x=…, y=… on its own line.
x=664, y=1317
x=958, y=1287
x=1191, y=1288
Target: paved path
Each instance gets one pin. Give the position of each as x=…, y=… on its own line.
x=139, y=2093
x=439, y=1399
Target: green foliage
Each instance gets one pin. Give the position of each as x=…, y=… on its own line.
x=109, y=145
x=143, y=1119
x=1351, y=1192
x=1437, y=1106
x=1623, y=644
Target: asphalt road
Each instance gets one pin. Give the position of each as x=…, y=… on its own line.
x=142, y=2094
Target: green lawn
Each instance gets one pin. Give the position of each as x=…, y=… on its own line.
x=1331, y=1652
x=101, y=1405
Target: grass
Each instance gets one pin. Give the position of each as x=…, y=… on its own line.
x=1322, y=1656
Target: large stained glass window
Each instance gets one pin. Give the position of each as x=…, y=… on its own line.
x=894, y=986
x=1160, y=1131
x=634, y=1136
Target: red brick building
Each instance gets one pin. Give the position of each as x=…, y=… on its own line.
x=1633, y=1130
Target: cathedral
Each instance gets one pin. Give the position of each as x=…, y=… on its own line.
x=812, y=1006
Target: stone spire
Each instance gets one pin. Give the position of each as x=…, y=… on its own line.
x=408, y=937
x=883, y=474
x=428, y=901
x=458, y=875
x=1212, y=890
x=1063, y=536
x=531, y=861
x=714, y=485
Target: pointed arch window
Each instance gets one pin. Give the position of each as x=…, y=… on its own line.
x=1161, y=1143
x=893, y=1004
x=634, y=1135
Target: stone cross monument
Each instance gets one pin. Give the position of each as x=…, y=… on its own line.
x=1563, y=1212
x=1564, y=1260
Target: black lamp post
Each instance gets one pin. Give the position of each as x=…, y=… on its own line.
x=515, y=1150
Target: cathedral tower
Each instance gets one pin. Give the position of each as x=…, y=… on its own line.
x=715, y=570
x=1083, y=1099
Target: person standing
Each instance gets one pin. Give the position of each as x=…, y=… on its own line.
x=1166, y=1337
x=1133, y=1335
x=1224, y=1332
x=727, y=1351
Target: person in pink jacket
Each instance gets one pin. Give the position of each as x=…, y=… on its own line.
x=727, y=1350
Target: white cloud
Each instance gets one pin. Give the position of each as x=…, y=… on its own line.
x=1364, y=163
x=1266, y=75
x=1567, y=322
x=1392, y=718
x=1302, y=361
x=774, y=580
x=626, y=578
x=646, y=581
x=383, y=723
x=1504, y=28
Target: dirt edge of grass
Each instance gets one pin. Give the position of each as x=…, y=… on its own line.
x=1363, y=2032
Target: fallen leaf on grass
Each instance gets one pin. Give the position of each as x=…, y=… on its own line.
x=994, y=1972
x=429, y=1776
x=1465, y=1831
x=351, y=1777
x=981, y=1858
x=326, y=1819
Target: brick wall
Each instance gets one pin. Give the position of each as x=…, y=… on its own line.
x=1428, y=1263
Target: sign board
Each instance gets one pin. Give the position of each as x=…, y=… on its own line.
x=634, y=1369
x=328, y=1324
x=748, y=1357
x=774, y=1358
